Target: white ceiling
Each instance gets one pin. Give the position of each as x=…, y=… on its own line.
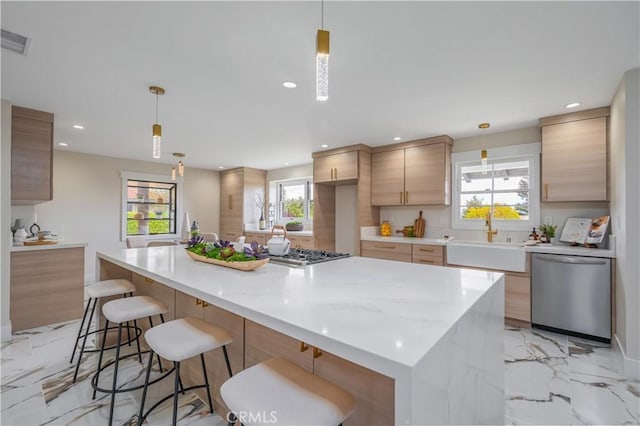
x=410, y=69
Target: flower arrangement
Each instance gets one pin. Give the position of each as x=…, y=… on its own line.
x=224, y=251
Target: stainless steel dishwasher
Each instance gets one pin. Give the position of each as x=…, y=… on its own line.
x=572, y=295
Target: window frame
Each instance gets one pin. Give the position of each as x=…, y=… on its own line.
x=278, y=186
x=530, y=152
x=125, y=177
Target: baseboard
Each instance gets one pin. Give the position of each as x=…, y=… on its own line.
x=631, y=366
x=5, y=333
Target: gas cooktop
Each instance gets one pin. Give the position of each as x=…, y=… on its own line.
x=302, y=257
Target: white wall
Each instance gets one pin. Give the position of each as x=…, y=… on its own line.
x=5, y=219
x=438, y=218
x=86, y=200
x=625, y=207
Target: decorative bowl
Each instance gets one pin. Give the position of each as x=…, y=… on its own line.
x=249, y=265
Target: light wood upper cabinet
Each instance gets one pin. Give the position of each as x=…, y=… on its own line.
x=335, y=167
x=238, y=188
x=31, y=156
x=574, y=156
x=387, y=178
x=412, y=173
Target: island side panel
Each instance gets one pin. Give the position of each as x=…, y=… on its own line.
x=461, y=380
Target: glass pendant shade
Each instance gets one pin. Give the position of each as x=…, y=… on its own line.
x=322, y=65
x=173, y=173
x=485, y=166
x=157, y=140
x=180, y=168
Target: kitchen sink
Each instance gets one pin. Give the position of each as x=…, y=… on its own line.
x=500, y=256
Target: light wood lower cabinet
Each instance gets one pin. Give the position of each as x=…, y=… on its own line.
x=301, y=241
x=47, y=287
x=374, y=393
x=191, y=369
x=517, y=297
x=427, y=254
x=384, y=250
x=256, y=236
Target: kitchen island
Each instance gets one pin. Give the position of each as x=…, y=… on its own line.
x=434, y=333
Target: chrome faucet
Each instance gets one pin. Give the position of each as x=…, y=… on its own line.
x=490, y=232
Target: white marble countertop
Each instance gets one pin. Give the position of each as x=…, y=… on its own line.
x=406, y=240
x=304, y=233
x=381, y=314
x=59, y=245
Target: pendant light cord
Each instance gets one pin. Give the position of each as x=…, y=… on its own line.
x=156, y=106
x=322, y=14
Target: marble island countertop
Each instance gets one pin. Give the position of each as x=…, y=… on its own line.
x=59, y=245
x=411, y=305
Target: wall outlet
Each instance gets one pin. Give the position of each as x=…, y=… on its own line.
x=548, y=220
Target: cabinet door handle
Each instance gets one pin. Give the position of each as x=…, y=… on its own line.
x=148, y=280
x=332, y=173
x=204, y=304
x=230, y=202
x=546, y=191
x=400, y=197
x=336, y=173
x=303, y=346
x=317, y=353
x=406, y=197
x=427, y=250
x=425, y=261
x=198, y=302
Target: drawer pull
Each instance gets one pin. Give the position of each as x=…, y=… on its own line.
x=400, y=197
x=148, y=280
x=204, y=304
x=303, y=346
x=427, y=250
x=386, y=247
x=406, y=197
x=198, y=302
x=425, y=261
x=546, y=191
x=317, y=353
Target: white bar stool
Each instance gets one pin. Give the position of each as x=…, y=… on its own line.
x=95, y=291
x=122, y=311
x=177, y=341
x=278, y=391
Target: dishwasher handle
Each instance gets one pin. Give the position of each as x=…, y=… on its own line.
x=574, y=260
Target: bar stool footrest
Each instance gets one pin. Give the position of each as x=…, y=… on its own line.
x=115, y=327
x=95, y=386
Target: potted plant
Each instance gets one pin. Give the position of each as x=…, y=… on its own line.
x=548, y=232
x=294, y=225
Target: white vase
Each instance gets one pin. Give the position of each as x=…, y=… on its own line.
x=185, y=233
x=20, y=235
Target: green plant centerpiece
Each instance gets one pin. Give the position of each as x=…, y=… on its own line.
x=294, y=225
x=548, y=231
x=224, y=254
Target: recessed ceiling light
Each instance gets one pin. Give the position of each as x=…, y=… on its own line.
x=63, y=144
x=78, y=126
x=289, y=85
x=286, y=163
x=397, y=138
x=572, y=105
x=221, y=167
x=324, y=145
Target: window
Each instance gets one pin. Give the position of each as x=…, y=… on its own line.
x=294, y=200
x=506, y=187
x=150, y=205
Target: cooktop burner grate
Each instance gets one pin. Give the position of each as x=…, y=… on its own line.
x=301, y=257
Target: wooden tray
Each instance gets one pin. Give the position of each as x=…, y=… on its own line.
x=249, y=265
x=39, y=243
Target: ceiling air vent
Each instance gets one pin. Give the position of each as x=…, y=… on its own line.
x=15, y=42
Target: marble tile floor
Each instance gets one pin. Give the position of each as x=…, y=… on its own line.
x=550, y=379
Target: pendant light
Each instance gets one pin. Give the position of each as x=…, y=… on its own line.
x=483, y=153
x=157, y=129
x=322, y=61
x=179, y=155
